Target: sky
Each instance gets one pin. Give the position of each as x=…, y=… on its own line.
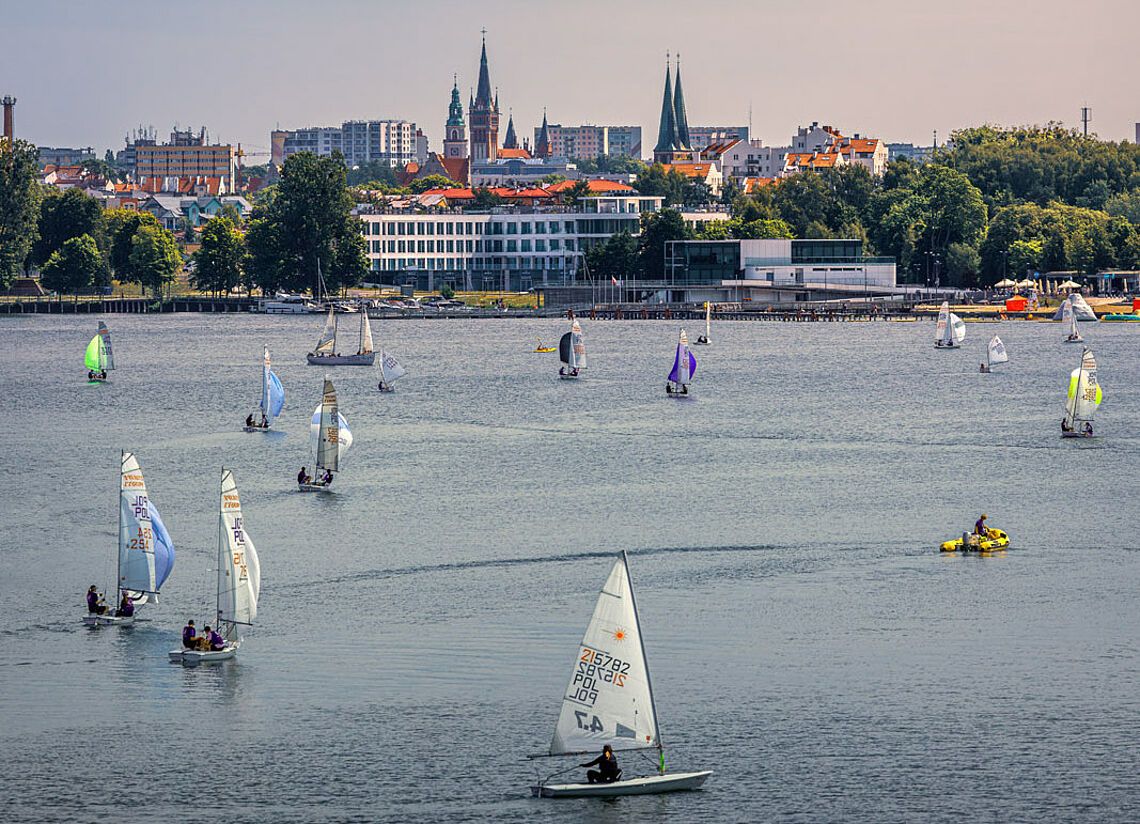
x=87, y=73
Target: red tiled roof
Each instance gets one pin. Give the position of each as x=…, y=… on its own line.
x=452, y=194
x=514, y=153
x=457, y=168
x=595, y=186
x=689, y=169
x=751, y=184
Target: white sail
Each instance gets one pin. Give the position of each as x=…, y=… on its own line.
x=708, y=320
x=239, y=570
x=366, y=344
x=942, y=333
x=609, y=699
x=958, y=327
x=997, y=353
x=1085, y=393
x=328, y=439
x=390, y=368
x=1069, y=319
x=136, y=532
x=326, y=344
x=577, y=346
x=108, y=352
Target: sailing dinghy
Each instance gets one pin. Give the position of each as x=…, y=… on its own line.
x=572, y=353
x=1083, y=399
x=330, y=439
x=239, y=580
x=684, y=368
x=272, y=396
x=326, y=355
x=391, y=370
x=950, y=331
x=706, y=338
x=99, y=357
x=995, y=354
x=609, y=700
x=146, y=553
x=1069, y=321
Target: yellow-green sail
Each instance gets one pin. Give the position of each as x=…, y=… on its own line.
x=95, y=358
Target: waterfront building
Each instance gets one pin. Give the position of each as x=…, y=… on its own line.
x=591, y=142
x=53, y=156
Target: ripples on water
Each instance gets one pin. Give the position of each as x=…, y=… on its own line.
x=416, y=628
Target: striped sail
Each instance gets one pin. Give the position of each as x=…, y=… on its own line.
x=239, y=569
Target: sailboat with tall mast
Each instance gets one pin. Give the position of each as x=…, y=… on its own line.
x=146, y=553
x=950, y=330
x=995, y=354
x=99, y=357
x=325, y=353
x=684, y=368
x=572, y=353
x=609, y=700
x=239, y=579
x=1069, y=322
x=272, y=397
x=391, y=370
x=330, y=439
x=1082, y=400
x=706, y=338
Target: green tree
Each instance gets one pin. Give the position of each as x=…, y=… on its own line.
x=219, y=264
x=485, y=199
x=64, y=215
x=616, y=258
x=575, y=193
x=422, y=184
x=656, y=182
x=963, y=263
x=1024, y=257
x=307, y=226
x=155, y=259
x=76, y=267
x=373, y=174
x=1126, y=205
x=102, y=168
x=657, y=228
x=121, y=227
x=19, y=206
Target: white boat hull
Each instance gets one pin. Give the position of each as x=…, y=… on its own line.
x=645, y=785
x=1076, y=435
x=1074, y=340
x=342, y=360
x=568, y=377
x=947, y=346
x=108, y=620
x=255, y=429
x=314, y=487
x=190, y=657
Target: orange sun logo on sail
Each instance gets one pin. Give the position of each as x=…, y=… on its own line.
x=619, y=634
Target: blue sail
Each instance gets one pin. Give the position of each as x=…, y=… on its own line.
x=276, y=396
x=692, y=365
x=163, y=547
x=673, y=376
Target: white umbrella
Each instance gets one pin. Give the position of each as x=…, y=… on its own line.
x=1068, y=284
x=1026, y=284
x=1005, y=283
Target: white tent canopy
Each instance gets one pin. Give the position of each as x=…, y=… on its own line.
x=1005, y=283
x=1025, y=284
x=1068, y=284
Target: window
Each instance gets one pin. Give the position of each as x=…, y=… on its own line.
x=540, y=227
x=512, y=246
x=540, y=246
x=555, y=244
x=526, y=227
x=526, y=244
x=512, y=228
x=419, y=246
x=431, y=246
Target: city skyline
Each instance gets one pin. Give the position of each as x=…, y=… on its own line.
x=266, y=65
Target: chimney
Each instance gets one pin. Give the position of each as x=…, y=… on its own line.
x=9, y=120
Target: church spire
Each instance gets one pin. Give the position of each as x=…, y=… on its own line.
x=455, y=110
x=680, y=118
x=667, y=129
x=511, y=141
x=483, y=90
x=542, y=144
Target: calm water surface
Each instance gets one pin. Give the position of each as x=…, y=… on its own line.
x=416, y=628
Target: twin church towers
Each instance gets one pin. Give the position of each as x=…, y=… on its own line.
x=483, y=110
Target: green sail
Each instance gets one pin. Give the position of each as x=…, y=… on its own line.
x=94, y=357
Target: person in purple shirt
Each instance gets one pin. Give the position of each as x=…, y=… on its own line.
x=189, y=635
x=126, y=606
x=94, y=607
x=216, y=641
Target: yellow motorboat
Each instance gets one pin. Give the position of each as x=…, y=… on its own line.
x=540, y=348
x=993, y=541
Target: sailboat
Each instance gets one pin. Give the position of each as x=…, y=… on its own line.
x=609, y=699
x=239, y=579
x=391, y=370
x=950, y=331
x=326, y=355
x=99, y=357
x=572, y=353
x=330, y=439
x=1069, y=322
x=684, y=367
x=1083, y=398
x=272, y=396
x=146, y=553
x=706, y=338
x=995, y=354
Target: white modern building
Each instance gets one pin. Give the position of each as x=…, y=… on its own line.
x=360, y=141
x=752, y=158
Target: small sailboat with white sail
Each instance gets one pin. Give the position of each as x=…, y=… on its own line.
x=272, y=398
x=995, y=354
x=684, y=368
x=239, y=580
x=572, y=353
x=1084, y=396
x=706, y=338
x=330, y=438
x=391, y=370
x=99, y=357
x=950, y=330
x=609, y=700
x=146, y=553
x=1069, y=321
x=325, y=353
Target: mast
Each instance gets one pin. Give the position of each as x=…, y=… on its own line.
x=221, y=549
x=645, y=658
x=119, y=562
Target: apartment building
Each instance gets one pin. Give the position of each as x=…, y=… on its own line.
x=394, y=142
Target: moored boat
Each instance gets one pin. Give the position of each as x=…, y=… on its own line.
x=325, y=353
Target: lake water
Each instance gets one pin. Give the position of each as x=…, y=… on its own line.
x=417, y=627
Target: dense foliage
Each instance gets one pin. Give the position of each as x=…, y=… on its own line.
x=20, y=194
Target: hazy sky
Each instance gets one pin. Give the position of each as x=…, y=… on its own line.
x=87, y=72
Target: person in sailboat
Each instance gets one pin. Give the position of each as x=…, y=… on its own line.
x=1088, y=428
x=249, y=419
x=326, y=479
x=214, y=640
x=95, y=605
x=126, y=606
x=383, y=387
x=303, y=476
x=984, y=368
x=608, y=770
x=189, y=635
x=264, y=421
x=1065, y=425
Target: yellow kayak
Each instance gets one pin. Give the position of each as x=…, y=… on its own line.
x=994, y=540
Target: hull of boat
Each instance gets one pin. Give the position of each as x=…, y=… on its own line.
x=97, y=380
x=996, y=542
x=255, y=429
x=569, y=377
x=948, y=346
x=543, y=350
x=342, y=360
x=647, y=785
x=385, y=389
x=1076, y=435
x=1074, y=340
x=108, y=620
x=191, y=657
x=314, y=487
